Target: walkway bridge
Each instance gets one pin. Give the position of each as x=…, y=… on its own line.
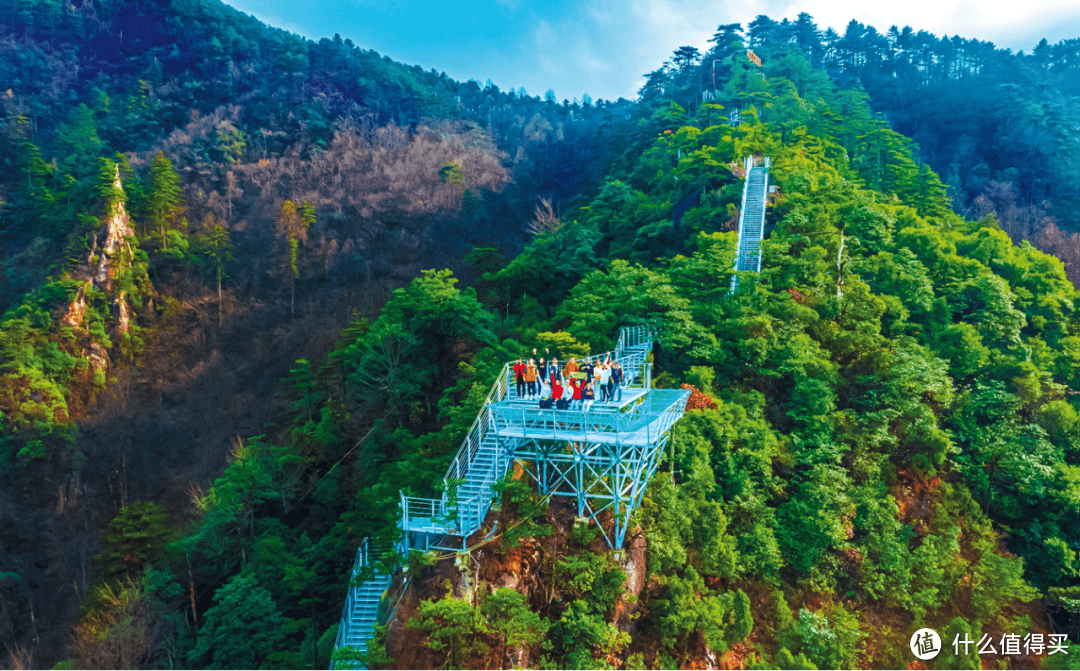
x=602, y=458
x=752, y=218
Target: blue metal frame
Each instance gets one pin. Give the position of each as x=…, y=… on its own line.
x=603, y=458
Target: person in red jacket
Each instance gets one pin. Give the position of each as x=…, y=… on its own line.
x=519, y=376
x=556, y=388
x=577, y=386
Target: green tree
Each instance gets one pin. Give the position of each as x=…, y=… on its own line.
x=582, y=637
x=509, y=617
x=162, y=194
x=241, y=629
x=812, y=520
x=79, y=142
x=216, y=247
x=134, y=539
x=293, y=222
x=452, y=627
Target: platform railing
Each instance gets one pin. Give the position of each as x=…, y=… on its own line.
x=592, y=425
x=460, y=518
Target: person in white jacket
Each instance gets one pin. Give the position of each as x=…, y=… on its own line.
x=568, y=396
x=605, y=381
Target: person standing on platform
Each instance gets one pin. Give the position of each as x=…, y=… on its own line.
x=588, y=395
x=519, y=377
x=571, y=367
x=605, y=382
x=541, y=371
x=616, y=382
x=530, y=379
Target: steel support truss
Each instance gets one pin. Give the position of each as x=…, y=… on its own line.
x=603, y=474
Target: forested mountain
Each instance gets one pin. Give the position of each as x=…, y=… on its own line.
x=1001, y=129
x=256, y=286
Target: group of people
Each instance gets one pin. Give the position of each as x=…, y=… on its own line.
x=571, y=386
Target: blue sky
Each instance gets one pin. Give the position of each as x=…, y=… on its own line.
x=604, y=48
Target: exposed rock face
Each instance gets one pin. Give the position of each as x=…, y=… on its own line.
x=111, y=259
x=73, y=317
x=99, y=357
x=110, y=255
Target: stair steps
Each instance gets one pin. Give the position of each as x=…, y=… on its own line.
x=751, y=219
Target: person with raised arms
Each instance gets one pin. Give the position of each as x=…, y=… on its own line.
x=577, y=384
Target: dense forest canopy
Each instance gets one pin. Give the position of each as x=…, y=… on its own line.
x=256, y=286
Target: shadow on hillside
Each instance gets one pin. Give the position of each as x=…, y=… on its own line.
x=160, y=432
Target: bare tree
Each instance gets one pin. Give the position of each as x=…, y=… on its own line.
x=545, y=219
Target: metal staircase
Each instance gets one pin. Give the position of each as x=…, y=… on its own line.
x=603, y=458
x=365, y=604
x=751, y=219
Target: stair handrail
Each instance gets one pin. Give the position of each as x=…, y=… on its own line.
x=362, y=553
x=748, y=165
x=764, y=196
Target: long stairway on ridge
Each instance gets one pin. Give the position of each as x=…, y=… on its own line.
x=751, y=219
x=603, y=458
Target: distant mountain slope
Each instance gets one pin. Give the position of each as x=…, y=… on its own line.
x=277, y=189
x=218, y=53
x=1002, y=130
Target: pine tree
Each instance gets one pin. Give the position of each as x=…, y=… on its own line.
x=242, y=628
x=216, y=246
x=509, y=617
x=743, y=618
x=133, y=539
x=163, y=196
x=293, y=222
